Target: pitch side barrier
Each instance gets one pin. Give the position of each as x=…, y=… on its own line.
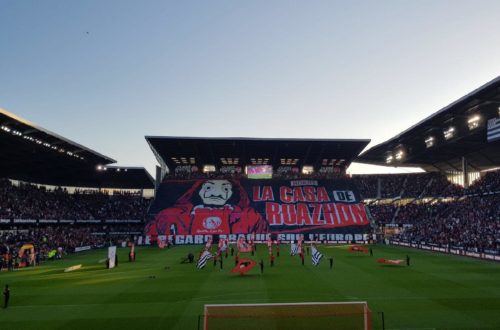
x=262, y=238
x=488, y=255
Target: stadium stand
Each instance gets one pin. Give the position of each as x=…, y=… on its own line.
x=414, y=185
x=489, y=183
x=455, y=204
x=61, y=196
x=470, y=223
x=57, y=193
x=28, y=201
x=460, y=219
x=367, y=185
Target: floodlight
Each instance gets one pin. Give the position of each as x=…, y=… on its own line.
x=208, y=168
x=473, y=122
x=430, y=141
x=449, y=133
x=307, y=169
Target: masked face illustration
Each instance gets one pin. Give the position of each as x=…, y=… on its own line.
x=216, y=192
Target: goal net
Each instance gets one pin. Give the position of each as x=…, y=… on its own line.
x=313, y=315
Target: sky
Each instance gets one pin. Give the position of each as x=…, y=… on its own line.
x=106, y=73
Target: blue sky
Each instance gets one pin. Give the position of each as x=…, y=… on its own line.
x=106, y=73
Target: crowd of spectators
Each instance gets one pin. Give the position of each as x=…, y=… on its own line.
x=383, y=213
x=453, y=217
x=440, y=186
x=63, y=239
x=391, y=186
x=414, y=185
x=26, y=201
x=288, y=175
x=471, y=223
x=367, y=185
x=463, y=219
x=489, y=183
x=412, y=213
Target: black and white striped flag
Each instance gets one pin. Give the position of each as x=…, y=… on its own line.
x=316, y=256
x=294, y=249
x=205, y=256
x=493, y=129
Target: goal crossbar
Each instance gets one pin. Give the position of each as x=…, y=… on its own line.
x=220, y=316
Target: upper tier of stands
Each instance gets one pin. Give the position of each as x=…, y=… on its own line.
x=27, y=201
x=414, y=185
x=437, y=189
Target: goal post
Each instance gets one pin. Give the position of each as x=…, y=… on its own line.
x=310, y=315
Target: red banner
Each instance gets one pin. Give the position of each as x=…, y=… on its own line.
x=390, y=262
x=244, y=266
x=357, y=248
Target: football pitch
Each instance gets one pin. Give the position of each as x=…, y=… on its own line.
x=158, y=292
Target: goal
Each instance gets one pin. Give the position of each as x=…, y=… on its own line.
x=311, y=315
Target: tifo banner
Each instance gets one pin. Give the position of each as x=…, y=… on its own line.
x=222, y=207
x=111, y=256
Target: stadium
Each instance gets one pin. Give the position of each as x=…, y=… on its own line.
x=256, y=233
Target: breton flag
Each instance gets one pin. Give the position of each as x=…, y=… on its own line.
x=294, y=248
x=204, y=259
x=493, y=129
x=316, y=256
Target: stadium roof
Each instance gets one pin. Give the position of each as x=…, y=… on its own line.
x=34, y=154
x=123, y=177
x=200, y=151
x=464, y=122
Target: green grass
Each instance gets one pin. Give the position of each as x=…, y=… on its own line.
x=436, y=291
